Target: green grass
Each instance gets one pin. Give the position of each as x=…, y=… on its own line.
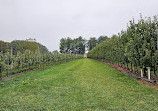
x=82, y=84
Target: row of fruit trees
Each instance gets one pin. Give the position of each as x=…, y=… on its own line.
x=10, y=64
x=136, y=48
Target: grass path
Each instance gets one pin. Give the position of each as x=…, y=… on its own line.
x=78, y=85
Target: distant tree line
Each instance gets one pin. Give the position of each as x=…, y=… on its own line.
x=21, y=46
x=136, y=47
x=79, y=45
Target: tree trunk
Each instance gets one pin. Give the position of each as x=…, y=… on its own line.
x=127, y=67
x=0, y=72
x=155, y=71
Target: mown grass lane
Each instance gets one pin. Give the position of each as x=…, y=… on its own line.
x=82, y=84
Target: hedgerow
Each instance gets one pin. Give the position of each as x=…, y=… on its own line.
x=136, y=47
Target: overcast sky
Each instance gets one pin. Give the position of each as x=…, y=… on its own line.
x=50, y=20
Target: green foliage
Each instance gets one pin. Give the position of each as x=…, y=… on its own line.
x=43, y=48
x=4, y=46
x=136, y=46
x=22, y=45
x=75, y=46
x=92, y=42
x=79, y=45
x=101, y=39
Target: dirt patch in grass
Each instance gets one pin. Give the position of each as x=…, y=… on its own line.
x=148, y=84
x=136, y=75
x=14, y=75
x=21, y=73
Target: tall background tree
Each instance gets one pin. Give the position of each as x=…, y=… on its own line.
x=4, y=46
x=29, y=44
x=92, y=42
x=101, y=39
x=73, y=46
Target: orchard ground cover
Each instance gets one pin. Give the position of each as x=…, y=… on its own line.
x=82, y=84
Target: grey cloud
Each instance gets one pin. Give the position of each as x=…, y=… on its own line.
x=50, y=20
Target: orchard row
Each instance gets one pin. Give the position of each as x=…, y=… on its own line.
x=28, y=60
x=136, y=47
